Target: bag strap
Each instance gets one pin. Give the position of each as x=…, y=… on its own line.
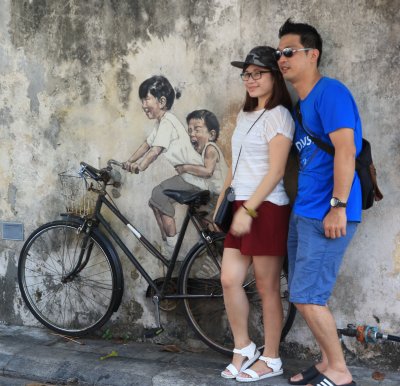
x=321, y=144
x=240, y=151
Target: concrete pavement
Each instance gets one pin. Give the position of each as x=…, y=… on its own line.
x=35, y=354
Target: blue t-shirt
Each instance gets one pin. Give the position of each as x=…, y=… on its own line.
x=328, y=107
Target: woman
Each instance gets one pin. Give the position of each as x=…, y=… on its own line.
x=258, y=234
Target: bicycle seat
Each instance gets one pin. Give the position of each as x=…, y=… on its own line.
x=198, y=197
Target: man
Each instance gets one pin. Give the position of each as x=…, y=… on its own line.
x=327, y=208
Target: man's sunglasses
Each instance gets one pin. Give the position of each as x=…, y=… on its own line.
x=288, y=52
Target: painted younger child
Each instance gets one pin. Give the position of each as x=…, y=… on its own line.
x=203, y=129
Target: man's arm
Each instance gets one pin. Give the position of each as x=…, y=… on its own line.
x=343, y=174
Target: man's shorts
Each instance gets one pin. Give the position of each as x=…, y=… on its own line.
x=164, y=203
x=314, y=259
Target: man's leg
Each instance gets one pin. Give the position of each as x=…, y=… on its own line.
x=323, y=326
x=318, y=259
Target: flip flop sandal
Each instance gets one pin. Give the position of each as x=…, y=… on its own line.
x=275, y=364
x=308, y=375
x=322, y=380
x=250, y=352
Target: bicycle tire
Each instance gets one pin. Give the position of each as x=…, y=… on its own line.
x=207, y=316
x=81, y=305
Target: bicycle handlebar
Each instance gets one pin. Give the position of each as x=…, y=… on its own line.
x=90, y=171
x=99, y=174
x=114, y=162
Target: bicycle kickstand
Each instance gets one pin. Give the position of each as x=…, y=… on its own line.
x=152, y=332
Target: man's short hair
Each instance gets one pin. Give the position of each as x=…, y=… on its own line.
x=309, y=36
x=158, y=86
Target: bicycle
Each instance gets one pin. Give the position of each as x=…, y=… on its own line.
x=71, y=278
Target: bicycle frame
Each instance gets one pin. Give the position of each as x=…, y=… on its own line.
x=189, y=217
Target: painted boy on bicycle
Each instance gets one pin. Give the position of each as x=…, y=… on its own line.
x=169, y=137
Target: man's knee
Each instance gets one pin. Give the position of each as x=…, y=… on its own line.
x=309, y=308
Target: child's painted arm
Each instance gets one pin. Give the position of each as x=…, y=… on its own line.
x=211, y=158
x=150, y=157
x=131, y=165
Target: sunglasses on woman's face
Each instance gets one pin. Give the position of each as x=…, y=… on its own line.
x=288, y=52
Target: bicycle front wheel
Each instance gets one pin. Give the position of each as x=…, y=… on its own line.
x=70, y=296
x=206, y=313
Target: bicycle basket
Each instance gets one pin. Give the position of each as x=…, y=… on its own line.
x=78, y=199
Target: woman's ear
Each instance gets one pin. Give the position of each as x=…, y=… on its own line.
x=163, y=102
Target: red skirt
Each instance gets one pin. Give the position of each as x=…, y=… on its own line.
x=268, y=233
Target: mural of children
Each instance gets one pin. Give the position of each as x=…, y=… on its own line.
x=169, y=137
x=203, y=129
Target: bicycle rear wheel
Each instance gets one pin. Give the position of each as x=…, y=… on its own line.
x=207, y=316
x=74, y=304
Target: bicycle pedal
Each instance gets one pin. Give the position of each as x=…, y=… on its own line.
x=153, y=332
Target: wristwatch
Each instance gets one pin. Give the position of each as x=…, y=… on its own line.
x=336, y=203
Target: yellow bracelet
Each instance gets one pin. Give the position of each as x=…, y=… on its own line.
x=251, y=212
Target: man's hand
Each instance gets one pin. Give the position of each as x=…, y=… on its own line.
x=335, y=223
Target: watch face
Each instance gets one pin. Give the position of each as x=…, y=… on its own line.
x=336, y=203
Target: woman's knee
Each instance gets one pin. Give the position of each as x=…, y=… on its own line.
x=268, y=287
x=228, y=280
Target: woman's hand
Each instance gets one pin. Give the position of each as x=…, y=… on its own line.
x=241, y=223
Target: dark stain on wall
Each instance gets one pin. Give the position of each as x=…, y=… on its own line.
x=12, y=197
x=98, y=30
x=6, y=117
x=53, y=131
x=8, y=290
x=124, y=83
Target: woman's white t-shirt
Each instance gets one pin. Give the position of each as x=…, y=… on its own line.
x=253, y=163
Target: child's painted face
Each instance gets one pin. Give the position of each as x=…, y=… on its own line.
x=199, y=134
x=153, y=107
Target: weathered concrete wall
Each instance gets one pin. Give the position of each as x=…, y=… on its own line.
x=69, y=74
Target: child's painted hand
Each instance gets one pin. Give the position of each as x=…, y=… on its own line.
x=180, y=169
x=131, y=167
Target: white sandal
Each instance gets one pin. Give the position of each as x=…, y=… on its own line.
x=250, y=352
x=275, y=364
